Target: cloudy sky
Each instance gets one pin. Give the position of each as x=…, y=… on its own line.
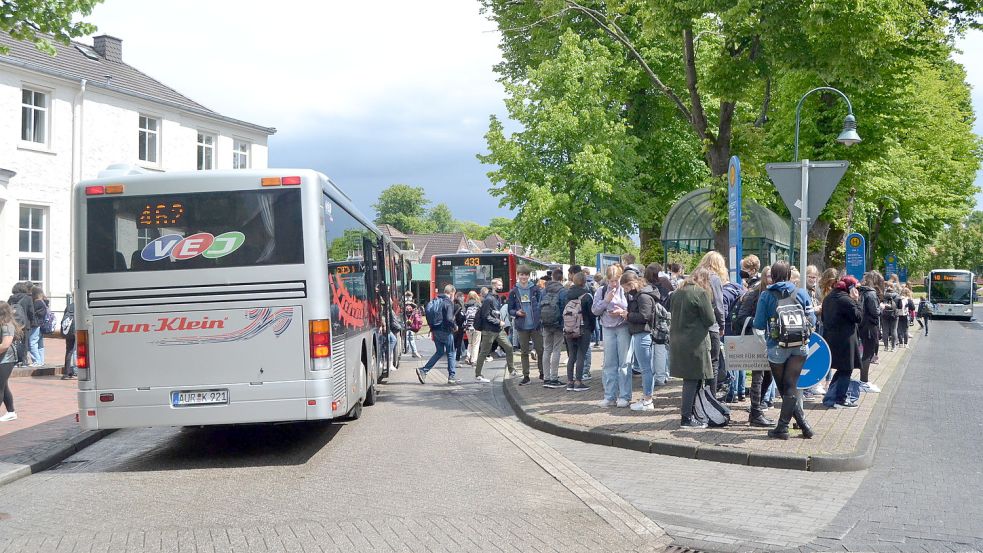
x=370, y=93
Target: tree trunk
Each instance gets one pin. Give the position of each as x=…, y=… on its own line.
x=718, y=157
x=834, y=240
x=817, y=243
x=573, y=251
x=651, y=248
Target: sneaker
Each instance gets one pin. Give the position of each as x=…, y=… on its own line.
x=874, y=360
x=453, y=380
x=421, y=375
x=818, y=390
x=481, y=380
x=761, y=421
x=580, y=388
x=605, y=403
x=622, y=402
x=642, y=405
x=692, y=423
x=555, y=383
x=570, y=387
x=542, y=377
x=869, y=388
x=525, y=380
x=846, y=405
x=9, y=416
x=417, y=356
x=66, y=377
x=586, y=376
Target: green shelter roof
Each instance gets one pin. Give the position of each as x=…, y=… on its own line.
x=691, y=219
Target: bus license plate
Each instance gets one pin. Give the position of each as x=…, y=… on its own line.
x=199, y=397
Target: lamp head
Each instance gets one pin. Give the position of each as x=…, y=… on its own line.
x=897, y=218
x=849, y=136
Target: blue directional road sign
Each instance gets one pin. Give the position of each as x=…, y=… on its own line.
x=856, y=256
x=817, y=363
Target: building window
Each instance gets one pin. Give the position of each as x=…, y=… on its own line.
x=240, y=154
x=149, y=138
x=206, y=151
x=144, y=237
x=34, y=116
x=31, y=244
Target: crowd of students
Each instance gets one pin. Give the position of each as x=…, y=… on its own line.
x=661, y=324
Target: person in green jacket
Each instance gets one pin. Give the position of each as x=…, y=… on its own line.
x=689, y=342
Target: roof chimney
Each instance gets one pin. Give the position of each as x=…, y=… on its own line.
x=108, y=47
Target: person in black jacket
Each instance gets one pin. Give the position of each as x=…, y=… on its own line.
x=871, y=289
x=578, y=348
x=489, y=323
x=842, y=313
x=760, y=380
x=443, y=335
x=641, y=309
x=23, y=307
x=889, y=317
x=459, y=321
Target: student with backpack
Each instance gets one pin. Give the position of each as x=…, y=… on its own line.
x=471, y=308
x=889, y=317
x=440, y=318
x=489, y=322
x=42, y=317
x=871, y=289
x=659, y=325
x=551, y=313
x=924, y=314
x=524, y=307
x=642, y=299
x=578, y=325
x=785, y=313
x=22, y=306
x=611, y=308
x=732, y=293
x=761, y=381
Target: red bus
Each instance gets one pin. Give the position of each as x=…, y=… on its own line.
x=472, y=271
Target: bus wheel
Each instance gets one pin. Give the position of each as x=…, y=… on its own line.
x=355, y=412
x=370, y=396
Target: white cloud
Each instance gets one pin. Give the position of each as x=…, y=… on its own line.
x=972, y=59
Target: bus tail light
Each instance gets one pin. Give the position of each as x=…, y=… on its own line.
x=95, y=190
x=82, y=353
x=286, y=181
x=270, y=181
x=320, y=344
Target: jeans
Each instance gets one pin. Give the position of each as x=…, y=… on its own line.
x=660, y=363
x=924, y=322
x=536, y=337
x=489, y=337
x=738, y=384
x=393, y=340
x=445, y=346
x=642, y=346
x=36, y=345
x=411, y=342
x=575, y=356
x=552, y=347
x=587, y=359
x=616, y=377
x=596, y=334
x=838, y=387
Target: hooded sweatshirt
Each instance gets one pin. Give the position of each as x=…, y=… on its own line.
x=527, y=299
x=768, y=302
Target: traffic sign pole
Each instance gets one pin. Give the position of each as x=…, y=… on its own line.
x=804, y=224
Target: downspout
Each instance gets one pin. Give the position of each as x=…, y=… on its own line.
x=78, y=110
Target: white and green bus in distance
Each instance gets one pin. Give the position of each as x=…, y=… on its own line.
x=950, y=293
x=225, y=297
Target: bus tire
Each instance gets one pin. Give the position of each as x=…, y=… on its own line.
x=370, y=396
x=355, y=412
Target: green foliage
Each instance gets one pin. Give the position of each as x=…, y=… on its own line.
x=31, y=20
x=404, y=207
x=440, y=219
x=960, y=246
x=571, y=173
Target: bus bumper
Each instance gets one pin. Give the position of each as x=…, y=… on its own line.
x=247, y=403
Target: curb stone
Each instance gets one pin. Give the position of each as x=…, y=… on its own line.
x=10, y=472
x=861, y=458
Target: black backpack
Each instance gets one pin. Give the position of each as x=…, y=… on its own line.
x=550, y=312
x=890, y=309
x=20, y=315
x=435, y=314
x=732, y=294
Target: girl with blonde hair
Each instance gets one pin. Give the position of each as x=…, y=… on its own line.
x=715, y=265
x=611, y=308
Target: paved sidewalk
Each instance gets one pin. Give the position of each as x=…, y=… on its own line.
x=845, y=438
x=54, y=360
x=45, y=431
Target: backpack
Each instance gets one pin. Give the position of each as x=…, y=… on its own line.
x=416, y=321
x=733, y=294
x=709, y=409
x=790, y=327
x=573, y=318
x=20, y=316
x=48, y=326
x=469, y=315
x=67, y=321
x=435, y=314
x=923, y=308
x=549, y=309
x=890, y=310
x=660, y=325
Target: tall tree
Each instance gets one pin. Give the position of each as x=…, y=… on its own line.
x=31, y=20
x=404, y=207
x=571, y=172
x=440, y=219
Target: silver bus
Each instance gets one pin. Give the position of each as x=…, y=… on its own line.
x=950, y=293
x=223, y=297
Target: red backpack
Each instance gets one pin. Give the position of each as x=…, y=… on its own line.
x=416, y=321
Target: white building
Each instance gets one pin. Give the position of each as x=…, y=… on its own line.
x=67, y=117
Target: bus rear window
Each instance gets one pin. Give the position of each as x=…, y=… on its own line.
x=194, y=231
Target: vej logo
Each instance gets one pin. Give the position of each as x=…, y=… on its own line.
x=177, y=247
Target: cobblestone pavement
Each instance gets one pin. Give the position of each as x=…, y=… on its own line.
x=837, y=430
x=923, y=492
x=429, y=468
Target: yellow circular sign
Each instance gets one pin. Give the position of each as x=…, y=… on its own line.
x=855, y=241
x=732, y=175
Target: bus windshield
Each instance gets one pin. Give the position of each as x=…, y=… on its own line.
x=954, y=287
x=473, y=272
x=194, y=230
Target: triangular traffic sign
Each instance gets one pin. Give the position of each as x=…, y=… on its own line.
x=823, y=178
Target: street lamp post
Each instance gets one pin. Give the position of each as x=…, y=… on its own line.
x=871, y=234
x=848, y=137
